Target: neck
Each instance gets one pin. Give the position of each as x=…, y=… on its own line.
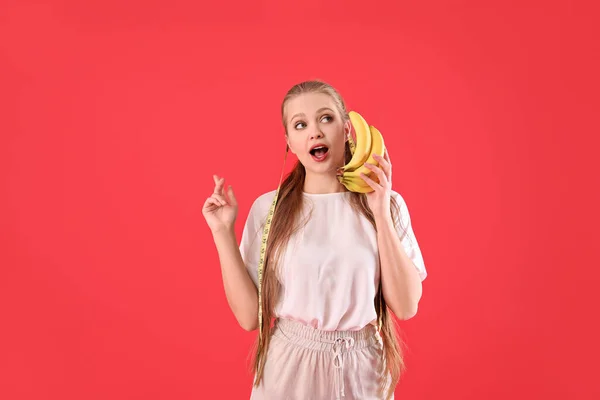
x=322, y=183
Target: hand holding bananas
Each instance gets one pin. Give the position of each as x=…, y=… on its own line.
x=220, y=212
x=369, y=171
x=379, y=198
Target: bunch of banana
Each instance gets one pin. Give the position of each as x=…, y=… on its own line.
x=369, y=141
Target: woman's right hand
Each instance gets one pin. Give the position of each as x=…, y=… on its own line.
x=219, y=212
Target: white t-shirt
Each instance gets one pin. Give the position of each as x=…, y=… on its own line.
x=330, y=269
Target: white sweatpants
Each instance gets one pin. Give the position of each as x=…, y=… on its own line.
x=304, y=363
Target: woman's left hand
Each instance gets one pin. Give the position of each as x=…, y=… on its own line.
x=379, y=198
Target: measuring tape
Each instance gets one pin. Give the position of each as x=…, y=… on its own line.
x=263, y=246
x=265, y=237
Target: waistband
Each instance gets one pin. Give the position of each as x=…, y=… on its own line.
x=317, y=339
x=337, y=342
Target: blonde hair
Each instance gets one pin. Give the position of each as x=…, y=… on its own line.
x=285, y=223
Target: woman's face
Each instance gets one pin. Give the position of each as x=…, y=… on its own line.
x=316, y=133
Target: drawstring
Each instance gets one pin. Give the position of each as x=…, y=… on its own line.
x=338, y=363
x=339, y=345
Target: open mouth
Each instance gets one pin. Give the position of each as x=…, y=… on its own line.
x=319, y=153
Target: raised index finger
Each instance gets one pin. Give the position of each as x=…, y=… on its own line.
x=218, y=184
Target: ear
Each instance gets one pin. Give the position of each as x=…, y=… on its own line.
x=347, y=129
x=287, y=140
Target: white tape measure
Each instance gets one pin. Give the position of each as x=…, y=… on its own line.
x=263, y=246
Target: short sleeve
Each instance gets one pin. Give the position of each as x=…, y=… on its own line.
x=407, y=235
x=252, y=235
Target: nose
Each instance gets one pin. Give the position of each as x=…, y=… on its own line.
x=316, y=133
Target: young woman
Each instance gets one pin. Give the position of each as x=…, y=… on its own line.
x=337, y=262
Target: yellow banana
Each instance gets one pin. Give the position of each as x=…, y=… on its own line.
x=363, y=142
x=352, y=179
x=357, y=183
x=377, y=147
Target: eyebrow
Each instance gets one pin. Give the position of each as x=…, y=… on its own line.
x=318, y=111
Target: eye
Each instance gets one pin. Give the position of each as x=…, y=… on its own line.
x=327, y=116
x=298, y=123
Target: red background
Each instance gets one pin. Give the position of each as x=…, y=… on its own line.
x=115, y=115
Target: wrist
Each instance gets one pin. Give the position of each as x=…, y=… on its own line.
x=384, y=220
x=225, y=231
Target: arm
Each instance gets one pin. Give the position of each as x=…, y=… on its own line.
x=402, y=273
x=241, y=293
x=400, y=279
x=220, y=212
